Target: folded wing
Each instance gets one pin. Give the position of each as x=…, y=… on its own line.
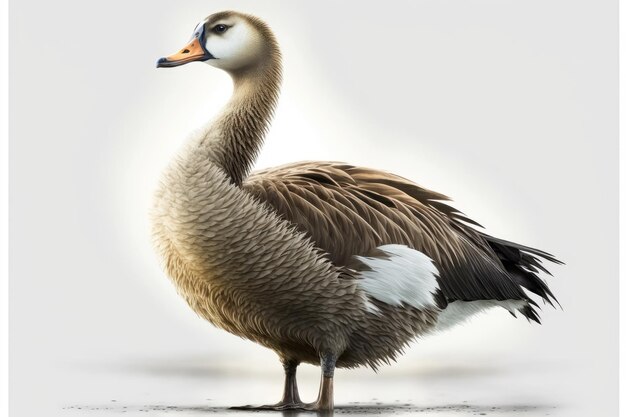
x=348, y=212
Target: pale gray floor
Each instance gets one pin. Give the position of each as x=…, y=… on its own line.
x=196, y=387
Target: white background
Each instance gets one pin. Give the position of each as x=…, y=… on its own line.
x=509, y=107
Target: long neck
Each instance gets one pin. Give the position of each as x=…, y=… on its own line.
x=235, y=138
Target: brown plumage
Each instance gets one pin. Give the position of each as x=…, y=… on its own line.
x=322, y=262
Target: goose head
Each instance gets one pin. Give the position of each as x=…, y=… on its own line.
x=232, y=41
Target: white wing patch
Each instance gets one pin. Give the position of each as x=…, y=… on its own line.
x=404, y=276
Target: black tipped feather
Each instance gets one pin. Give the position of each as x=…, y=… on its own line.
x=522, y=263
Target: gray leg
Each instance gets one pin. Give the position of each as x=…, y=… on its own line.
x=291, y=398
x=290, y=395
x=325, y=400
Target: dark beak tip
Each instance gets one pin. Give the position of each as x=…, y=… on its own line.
x=161, y=62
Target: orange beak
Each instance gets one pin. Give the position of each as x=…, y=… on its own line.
x=193, y=51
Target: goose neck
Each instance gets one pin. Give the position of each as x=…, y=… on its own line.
x=238, y=134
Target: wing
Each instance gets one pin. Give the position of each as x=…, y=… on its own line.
x=349, y=211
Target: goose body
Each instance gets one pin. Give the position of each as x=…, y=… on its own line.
x=322, y=262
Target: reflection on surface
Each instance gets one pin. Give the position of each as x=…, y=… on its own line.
x=195, y=386
x=356, y=408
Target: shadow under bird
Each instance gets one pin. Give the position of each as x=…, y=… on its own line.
x=322, y=262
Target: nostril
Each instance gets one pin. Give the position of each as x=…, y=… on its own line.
x=185, y=51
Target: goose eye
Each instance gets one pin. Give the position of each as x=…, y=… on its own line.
x=220, y=28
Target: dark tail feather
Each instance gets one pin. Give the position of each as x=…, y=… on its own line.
x=515, y=250
x=523, y=263
x=530, y=313
x=532, y=283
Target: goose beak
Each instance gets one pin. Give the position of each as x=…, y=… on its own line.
x=193, y=51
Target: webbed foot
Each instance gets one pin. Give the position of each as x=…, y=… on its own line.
x=281, y=406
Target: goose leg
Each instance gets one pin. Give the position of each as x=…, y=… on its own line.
x=290, y=394
x=325, y=400
x=291, y=398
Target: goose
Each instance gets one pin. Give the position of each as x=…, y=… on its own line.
x=324, y=263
